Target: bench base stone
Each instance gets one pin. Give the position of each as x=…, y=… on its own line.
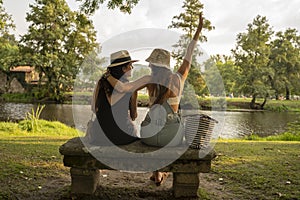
x=185, y=184
x=84, y=181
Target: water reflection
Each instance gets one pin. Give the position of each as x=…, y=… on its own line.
x=236, y=124
x=263, y=123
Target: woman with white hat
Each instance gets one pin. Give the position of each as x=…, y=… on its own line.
x=164, y=89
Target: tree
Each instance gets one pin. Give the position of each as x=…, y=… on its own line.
x=57, y=42
x=90, y=71
x=8, y=45
x=252, y=54
x=188, y=21
x=228, y=71
x=6, y=21
x=285, y=62
x=90, y=6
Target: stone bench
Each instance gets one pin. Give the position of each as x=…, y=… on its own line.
x=85, y=175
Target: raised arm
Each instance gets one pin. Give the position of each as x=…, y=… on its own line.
x=186, y=64
x=129, y=86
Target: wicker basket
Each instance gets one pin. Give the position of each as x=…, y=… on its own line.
x=198, y=130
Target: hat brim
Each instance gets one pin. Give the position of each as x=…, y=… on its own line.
x=159, y=65
x=121, y=63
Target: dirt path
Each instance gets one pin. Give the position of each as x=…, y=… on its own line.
x=124, y=185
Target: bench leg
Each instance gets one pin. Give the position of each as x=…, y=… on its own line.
x=84, y=181
x=185, y=184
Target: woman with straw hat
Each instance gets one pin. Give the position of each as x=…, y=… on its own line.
x=115, y=115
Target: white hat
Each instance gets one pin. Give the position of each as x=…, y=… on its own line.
x=160, y=58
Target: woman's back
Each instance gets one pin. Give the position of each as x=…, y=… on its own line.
x=166, y=87
x=114, y=120
x=115, y=114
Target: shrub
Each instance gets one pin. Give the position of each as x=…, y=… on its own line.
x=30, y=124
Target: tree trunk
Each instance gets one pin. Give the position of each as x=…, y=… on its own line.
x=273, y=86
x=287, y=94
x=252, y=103
x=264, y=103
x=276, y=95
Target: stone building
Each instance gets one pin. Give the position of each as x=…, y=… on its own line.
x=25, y=74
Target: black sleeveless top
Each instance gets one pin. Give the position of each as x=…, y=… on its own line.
x=114, y=120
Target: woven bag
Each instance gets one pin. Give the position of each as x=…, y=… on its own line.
x=198, y=130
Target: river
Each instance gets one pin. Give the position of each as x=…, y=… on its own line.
x=232, y=124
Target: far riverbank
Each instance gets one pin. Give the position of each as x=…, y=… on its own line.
x=204, y=103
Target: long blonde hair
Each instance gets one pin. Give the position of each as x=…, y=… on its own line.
x=162, y=81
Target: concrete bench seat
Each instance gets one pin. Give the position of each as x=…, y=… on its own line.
x=84, y=167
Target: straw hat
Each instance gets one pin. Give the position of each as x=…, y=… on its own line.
x=119, y=58
x=160, y=58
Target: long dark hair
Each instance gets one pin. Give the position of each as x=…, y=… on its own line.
x=162, y=78
x=118, y=73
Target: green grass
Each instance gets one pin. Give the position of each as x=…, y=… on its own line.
x=271, y=105
x=258, y=170
x=281, y=137
x=283, y=105
x=143, y=97
x=79, y=93
x=17, y=97
x=44, y=128
x=30, y=161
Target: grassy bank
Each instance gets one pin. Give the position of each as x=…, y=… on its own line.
x=240, y=103
x=292, y=134
x=31, y=166
x=271, y=105
x=19, y=98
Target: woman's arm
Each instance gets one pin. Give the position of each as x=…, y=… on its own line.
x=129, y=86
x=133, y=106
x=186, y=64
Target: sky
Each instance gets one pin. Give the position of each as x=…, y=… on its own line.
x=150, y=17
